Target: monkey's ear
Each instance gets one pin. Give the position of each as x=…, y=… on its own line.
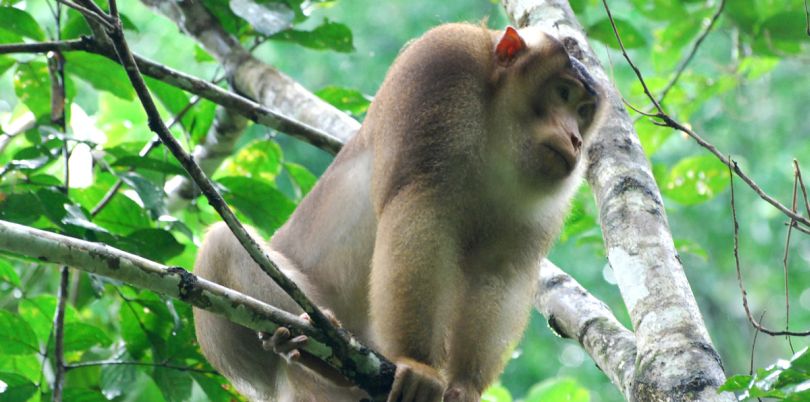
x=509, y=46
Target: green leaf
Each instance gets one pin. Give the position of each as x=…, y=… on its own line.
x=602, y=31
x=132, y=331
x=16, y=335
x=38, y=312
x=75, y=26
x=259, y=159
x=303, y=179
x=785, y=26
x=558, y=389
x=21, y=23
x=8, y=274
x=154, y=164
x=22, y=208
x=213, y=386
x=345, y=99
x=6, y=63
x=685, y=246
x=154, y=244
x=174, y=384
x=755, y=67
x=122, y=216
x=737, y=383
x=696, y=179
x=202, y=56
x=662, y=10
x=651, y=136
x=116, y=379
x=74, y=394
x=32, y=84
x=100, y=72
x=15, y=388
x=496, y=393
x=222, y=11
x=328, y=35
x=80, y=337
x=150, y=193
x=264, y=205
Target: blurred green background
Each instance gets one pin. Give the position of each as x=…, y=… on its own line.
x=747, y=91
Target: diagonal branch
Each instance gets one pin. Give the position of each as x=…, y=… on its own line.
x=199, y=87
x=376, y=384
x=252, y=77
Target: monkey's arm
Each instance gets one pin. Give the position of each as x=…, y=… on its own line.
x=414, y=271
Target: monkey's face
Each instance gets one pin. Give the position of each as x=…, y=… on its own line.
x=555, y=103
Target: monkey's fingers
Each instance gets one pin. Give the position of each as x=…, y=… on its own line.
x=414, y=382
x=329, y=315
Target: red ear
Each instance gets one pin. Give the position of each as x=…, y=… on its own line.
x=510, y=45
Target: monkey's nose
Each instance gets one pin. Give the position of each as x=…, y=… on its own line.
x=575, y=141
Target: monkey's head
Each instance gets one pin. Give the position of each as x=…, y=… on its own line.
x=551, y=99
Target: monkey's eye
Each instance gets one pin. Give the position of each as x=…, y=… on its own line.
x=564, y=92
x=585, y=111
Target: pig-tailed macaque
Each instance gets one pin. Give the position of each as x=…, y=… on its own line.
x=424, y=235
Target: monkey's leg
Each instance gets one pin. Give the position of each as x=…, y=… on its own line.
x=237, y=351
x=492, y=315
x=414, y=275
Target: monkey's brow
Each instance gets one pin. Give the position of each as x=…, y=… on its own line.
x=581, y=74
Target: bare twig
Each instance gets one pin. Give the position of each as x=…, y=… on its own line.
x=753, y=348
x=807, y=17
x=695, y=46
x=339, y=340
x=100, y=18
x=240, y=104
x=59, y=337
x=152, y=144
x=787, y=253
x=136, y=363
x=751, y=319
x=670, y=122
x=798, y=171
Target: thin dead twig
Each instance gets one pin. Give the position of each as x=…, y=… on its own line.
x=751, y=319
x=670, y=122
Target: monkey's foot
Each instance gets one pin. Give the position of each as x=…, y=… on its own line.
x=416, y=382
x=461, y=393
x=283, y=343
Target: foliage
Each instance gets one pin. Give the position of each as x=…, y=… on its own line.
x=785, y=380
x=741, y=91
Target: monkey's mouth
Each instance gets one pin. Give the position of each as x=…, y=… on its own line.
x=566, y=159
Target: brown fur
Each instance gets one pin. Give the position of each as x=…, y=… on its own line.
x=424, y=234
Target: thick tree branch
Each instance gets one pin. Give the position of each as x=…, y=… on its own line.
x=574, y=313
x=252, y=77
x=675, y=358
x=202, y=88
x=176, y=282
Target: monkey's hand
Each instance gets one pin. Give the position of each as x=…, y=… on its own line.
x=291, y=349
x=416, y=382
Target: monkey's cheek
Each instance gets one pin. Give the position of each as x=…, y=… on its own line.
x=544, y=165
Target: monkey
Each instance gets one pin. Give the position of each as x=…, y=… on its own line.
x=423, y=237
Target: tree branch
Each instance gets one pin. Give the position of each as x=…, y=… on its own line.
x=178, y=283
x=671, y=351
x=202, y=88
x=252, y=77
x=576, y=314
x=339, y=340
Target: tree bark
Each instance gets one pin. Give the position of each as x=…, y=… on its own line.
x=675, y=359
